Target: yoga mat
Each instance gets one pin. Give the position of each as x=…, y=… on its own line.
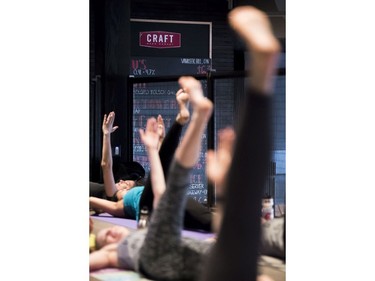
x=112, y=274
x=132, y=224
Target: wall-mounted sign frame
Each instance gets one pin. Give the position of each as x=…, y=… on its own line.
x=162, y=48
x=167, y=48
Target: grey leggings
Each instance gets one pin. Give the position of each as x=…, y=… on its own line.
x=164, y=254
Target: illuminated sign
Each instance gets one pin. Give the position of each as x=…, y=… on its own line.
x=159, y=39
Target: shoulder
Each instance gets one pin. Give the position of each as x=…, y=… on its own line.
x=134, y=192
x=136, y=189
x=139, y=188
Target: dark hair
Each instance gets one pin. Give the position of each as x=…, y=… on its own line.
x=128, y=171
x=140, y=182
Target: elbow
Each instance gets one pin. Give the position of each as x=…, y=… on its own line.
x=118, y=209
x=105, y=164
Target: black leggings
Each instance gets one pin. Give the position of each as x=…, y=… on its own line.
x=197, y=216
x=166, y=256
x=235, y=254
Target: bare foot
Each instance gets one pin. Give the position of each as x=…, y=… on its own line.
x=254, y=27
x=264, y=277
x=182, y=99
x=202, y=106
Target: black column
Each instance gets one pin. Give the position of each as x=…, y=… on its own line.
x=109, y=61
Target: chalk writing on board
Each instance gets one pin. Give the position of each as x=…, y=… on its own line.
x=139, y=68
x=152, y=99
x=159, y=66
x=195, y=61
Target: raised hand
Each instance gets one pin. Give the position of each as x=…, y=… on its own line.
x=150, y=136
x=218, y=162
x=107, y=126
x=161, y=130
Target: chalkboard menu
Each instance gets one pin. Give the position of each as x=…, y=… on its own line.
x=167, y=49
x=153, y=67
x=151, y=99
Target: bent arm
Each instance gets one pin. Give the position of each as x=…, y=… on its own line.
x=115, y=209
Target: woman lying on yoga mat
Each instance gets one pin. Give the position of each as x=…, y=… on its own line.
x=126, y=176
x=125, y=253
x=131, y=199
x=161, y=253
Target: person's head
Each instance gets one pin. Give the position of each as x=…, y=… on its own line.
x=123, y=188
x=109, y=235
x=129, y=175
x=125, y=184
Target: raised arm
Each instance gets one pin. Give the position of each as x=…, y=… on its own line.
x=150, y=138
x=107, y=162
x=217, y=166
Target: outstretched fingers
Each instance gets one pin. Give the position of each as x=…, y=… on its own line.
x=108, y=121
x=218, y=163
x=161, y=127
x=150, y=136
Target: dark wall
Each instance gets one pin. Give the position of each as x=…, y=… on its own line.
x=110, y=56
x=109, y=60
x=206, y=10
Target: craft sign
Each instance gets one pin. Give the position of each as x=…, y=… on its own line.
x=156, y=38
x=159, y=39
